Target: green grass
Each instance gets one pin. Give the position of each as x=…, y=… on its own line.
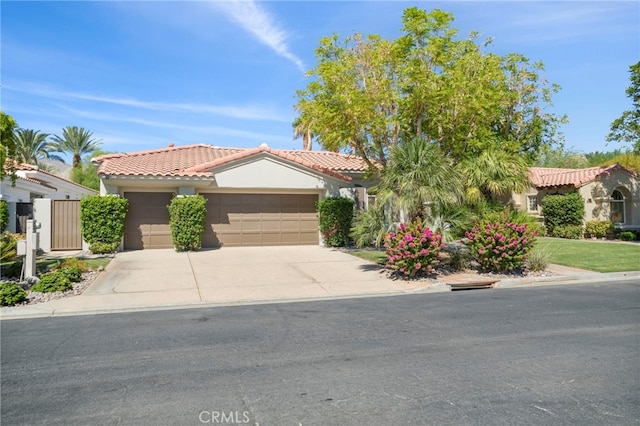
x=374, y=256
x=599, y=256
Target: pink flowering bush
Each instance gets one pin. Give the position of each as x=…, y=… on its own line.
x=500, y=245
x=413, y=249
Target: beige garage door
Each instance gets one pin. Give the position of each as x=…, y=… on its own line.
x=147, y=222
x=260, y=220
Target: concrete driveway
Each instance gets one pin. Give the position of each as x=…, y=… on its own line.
x=164, y=278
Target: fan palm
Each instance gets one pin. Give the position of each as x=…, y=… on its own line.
x=32, y=146
x=417, y=175
x=492, y=174
x=303, y=129
x=76, y=141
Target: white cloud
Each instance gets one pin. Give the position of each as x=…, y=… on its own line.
x=241, y=112
x=259, y=22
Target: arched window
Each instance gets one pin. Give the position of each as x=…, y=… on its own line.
x=617, y=207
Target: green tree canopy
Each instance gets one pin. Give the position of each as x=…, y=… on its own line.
x=7, y=146
x=32, y=146
x=368, y=94
x=76, y=141
x=626, y=128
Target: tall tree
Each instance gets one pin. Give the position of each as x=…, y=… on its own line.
x=32, y=146
x=76, y=141
x=7, y=146
x=367, y=94
x=626, y=128
x=302, y=129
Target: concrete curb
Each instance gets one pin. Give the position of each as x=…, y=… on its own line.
x=568, y=279
x=30, y=312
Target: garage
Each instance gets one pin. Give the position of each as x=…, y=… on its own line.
x=260, y=220
x=147, y=221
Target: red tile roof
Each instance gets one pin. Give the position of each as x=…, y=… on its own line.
x=197, y=160
x=543, y=177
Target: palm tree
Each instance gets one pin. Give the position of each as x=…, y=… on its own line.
x=303, y=129
x=76, y=141
x=492, y=174
x=418, y=175
x=32, y=146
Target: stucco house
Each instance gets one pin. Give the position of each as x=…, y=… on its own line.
x=609, y=192
x=53, y=201
x=255, y=196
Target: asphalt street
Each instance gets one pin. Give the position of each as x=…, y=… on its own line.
x=548, y=355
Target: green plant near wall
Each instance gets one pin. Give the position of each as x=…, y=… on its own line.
x=187, y=216
x=335, y=215
x=102, y=219
x=4, y=215
x=563, y=214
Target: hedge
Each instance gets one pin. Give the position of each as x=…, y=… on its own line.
x=187, y=215
x=102, y=221
x=564, y=211
x=335, y=215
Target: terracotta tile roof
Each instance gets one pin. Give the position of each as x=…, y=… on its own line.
x=543, y=177
x=197, y=160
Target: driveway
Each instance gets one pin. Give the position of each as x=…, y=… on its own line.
x=238, y=275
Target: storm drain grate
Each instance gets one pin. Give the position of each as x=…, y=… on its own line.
x=478, y=285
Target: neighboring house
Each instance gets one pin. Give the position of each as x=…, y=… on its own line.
x=609, y=192
x=255, y=196
x=33, y=196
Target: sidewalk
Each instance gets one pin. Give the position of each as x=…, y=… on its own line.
x=164, y=279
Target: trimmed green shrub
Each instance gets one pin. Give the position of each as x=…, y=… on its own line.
x=561, y=210
x=74, y=262
x=572, y=232
x=11, y=294
x=52, y=282
x=72, y=273
x=335, y=215
x=627, y=236
x=102, y=219
x=413, y=249
x=187, y=216
x=598, y=228
x=4, y=215
x=500, y=245
x=103, y=248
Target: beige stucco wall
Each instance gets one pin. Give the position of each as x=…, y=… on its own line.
x=596, y=196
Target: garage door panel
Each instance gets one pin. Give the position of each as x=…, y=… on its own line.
x=147, y=221
x=260, y=219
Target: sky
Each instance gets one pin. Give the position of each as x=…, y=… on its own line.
x=143, y=74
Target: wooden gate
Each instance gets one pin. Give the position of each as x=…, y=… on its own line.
x=65, y=225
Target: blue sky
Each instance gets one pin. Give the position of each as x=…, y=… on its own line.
x=141, y=74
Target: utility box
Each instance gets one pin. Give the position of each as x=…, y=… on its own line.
x=21, y=249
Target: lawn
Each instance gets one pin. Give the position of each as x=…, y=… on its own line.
x=599, y=256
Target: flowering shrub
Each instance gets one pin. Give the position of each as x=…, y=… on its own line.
x=500, y=245
x=413, y=249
